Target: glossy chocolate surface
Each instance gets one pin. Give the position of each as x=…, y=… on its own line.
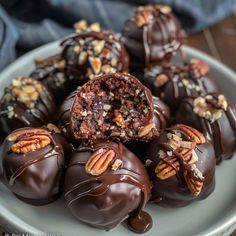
x=152, y=35
x=173, y=191
x=105, y=200
x=221, y=132
x=113, y=106
x=64, y=116
x=174, y=83
x=90, y=54
x=19, y=108
x=51, y=73
x=34, y=176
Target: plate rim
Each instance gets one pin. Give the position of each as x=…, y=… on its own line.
x=8, y=219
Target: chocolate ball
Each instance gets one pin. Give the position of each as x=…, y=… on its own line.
x=215, y=116
x=90, y=54
x=106, y=184
x=152, y=35
x=51, y=73
x=113, y=106
x=33, y=164
x=174, y=83
x=181, y=165
x=25, y=102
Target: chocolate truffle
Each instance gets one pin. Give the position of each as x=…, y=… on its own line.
x=215, y=116
x=113, y=106
x=26, y=102
x=64, y=116
x=152, y=35
x=174, y=83
x=181, y=165
x=51, y=73
x=90, y=54
x=33, y=163
x=106, y=184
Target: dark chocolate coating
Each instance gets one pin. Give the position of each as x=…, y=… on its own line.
x=51, y=73
x=113, y=106
x=173, y=192
x=35, y=176
x=221, y=132
x=155, y=41
x=106, y=200
x=16, y=114
x=64, y=116
x=104, y=48
x=182, y=82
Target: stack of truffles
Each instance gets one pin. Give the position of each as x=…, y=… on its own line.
x=118, y=141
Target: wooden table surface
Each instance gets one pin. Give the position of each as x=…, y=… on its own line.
x=218, y=41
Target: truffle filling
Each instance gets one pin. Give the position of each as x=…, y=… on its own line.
x=110, y=107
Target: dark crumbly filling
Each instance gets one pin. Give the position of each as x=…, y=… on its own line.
x=110, y=108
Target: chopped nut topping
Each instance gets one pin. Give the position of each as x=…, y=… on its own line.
x=143, y=17
x=148, y=162
x=26, y=90
x=200, y=68
x=161, y=80
x=117, y=164
x=60, y=64
x=146, y=130
x=206, y=110
x=76, y=49
x=163, y=8
x=53, y=128
x=99, y=45
x=81, y=26
x=83, y=56
x=96, y=64
x=95, y=27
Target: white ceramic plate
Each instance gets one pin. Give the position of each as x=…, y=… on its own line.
x=214, y=216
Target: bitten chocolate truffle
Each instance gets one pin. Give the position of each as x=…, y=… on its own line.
x=33, y=163
x=51, y=73
x=26, y=102
x=215, y=116
x=174, y=83
x=152, y=35
x=90, y=54
x=106, y=184
x=113, y=106
x=181, y=165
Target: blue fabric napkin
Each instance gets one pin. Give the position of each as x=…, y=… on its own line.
x=26, y=24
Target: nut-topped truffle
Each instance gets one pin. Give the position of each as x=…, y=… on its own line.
x=174, y=83
x=215, y=116
x=51, y=73
x=113, y=106
x=26, y=102
x=33, y=163
x=152, y=35
x=90, y=54
x=181, y=165
x=106, y=184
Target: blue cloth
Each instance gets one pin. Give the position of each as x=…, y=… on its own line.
x=25, y=24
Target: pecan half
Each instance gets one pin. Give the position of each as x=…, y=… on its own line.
x=192, y=133
x=189, y=155
x=195, y=183
x=167, y=167
x=99, y=161
x=143, y=17
x=30, y=144
x=161, y=80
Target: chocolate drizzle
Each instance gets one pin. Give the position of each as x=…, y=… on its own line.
x=153, y=41
x=43, y=165
x=101, y=187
